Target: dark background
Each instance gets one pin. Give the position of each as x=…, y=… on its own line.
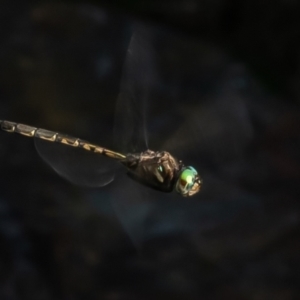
x=221, y=81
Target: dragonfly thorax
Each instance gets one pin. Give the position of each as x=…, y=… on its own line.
x=158, y=170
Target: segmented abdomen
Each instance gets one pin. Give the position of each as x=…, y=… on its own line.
x=52, y=136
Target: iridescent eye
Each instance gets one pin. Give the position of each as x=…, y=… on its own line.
x=188, y=182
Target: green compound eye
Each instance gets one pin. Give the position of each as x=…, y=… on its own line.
x=188, y=182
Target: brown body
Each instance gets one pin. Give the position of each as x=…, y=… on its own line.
x=158, y=170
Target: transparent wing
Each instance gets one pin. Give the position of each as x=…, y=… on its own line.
x=139, y=86
x=78, y=166
x=138, y=79
x=197, y=105
x=197, y=111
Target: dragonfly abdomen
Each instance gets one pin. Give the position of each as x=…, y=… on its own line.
x=53, y=136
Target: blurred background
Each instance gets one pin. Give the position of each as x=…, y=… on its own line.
x=217, y=85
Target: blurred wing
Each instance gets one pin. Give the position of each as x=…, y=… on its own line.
x=78, y=166
x=198, y=113
x=138, y=78
x=218, y=129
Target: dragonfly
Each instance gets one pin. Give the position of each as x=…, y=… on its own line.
x=159, y=170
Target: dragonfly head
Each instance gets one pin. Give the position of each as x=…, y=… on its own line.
x=188, y=182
